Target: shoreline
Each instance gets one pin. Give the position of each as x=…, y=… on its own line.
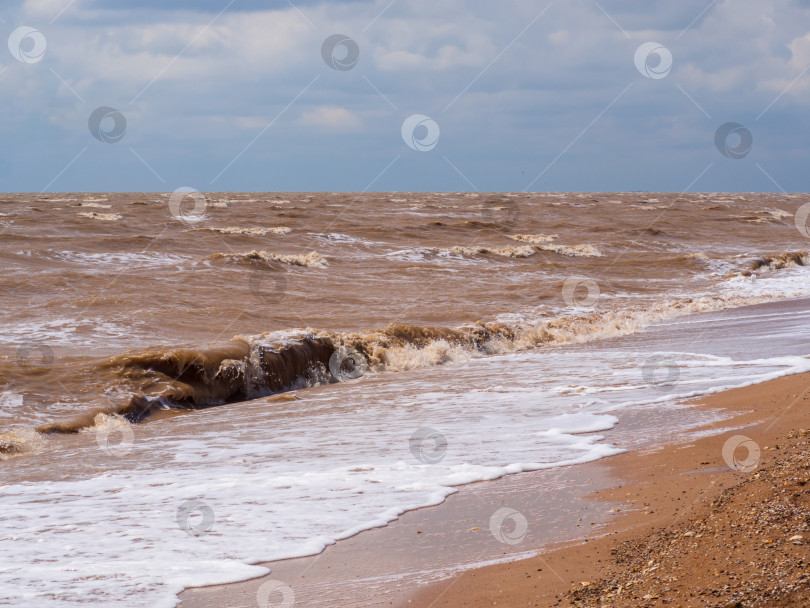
x=601, y=504
x=670, y=488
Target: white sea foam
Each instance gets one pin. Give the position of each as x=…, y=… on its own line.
x=337, y=237
x=10, y=400
x=146, y=259
x=67, y=330
x=421, y=254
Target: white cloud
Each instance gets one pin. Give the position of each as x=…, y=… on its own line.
x=330, y=117
x=44, y=9
x=800, y=51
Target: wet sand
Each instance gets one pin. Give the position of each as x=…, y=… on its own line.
x=629, y=497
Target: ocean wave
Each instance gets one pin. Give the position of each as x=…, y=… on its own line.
x=761, y=216
x=96, y=205
x=507, y=252
x=483, y=224
x=108, y=217
x=543, y=243
x=533, y=239
x=458, y=253
x=790, y=259
x=310, y=260
x=579, y=251
x=248, y=367
x=122, y=259
x=257, y=231
x=776, y=213
x=18, y=442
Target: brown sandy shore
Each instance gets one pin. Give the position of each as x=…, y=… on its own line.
x=685, y=529
x=700, y=533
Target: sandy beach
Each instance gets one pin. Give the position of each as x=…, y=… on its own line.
x=676, y=526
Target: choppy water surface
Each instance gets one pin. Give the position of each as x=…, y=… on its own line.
x=475, y=335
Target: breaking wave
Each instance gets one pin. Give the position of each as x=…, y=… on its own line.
x=507, y=252
x=259, y=231
x=109, y=217
x=248, y=367
x=18, y=442
x=543, y=242
x=311, y=260
x=576, y=251
x=534, y=239
x=792, y=259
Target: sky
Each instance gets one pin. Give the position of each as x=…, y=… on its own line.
x=405, y=95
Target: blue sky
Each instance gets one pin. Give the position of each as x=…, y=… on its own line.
x=236, y=95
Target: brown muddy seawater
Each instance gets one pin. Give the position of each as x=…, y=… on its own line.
x=130, y=303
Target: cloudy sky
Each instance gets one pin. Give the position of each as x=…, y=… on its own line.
x=270, y=95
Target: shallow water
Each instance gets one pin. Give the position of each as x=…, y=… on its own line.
x=493, y=366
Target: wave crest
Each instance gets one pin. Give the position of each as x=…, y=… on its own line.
x=255, y=231
x=20, y=441
x=108, y=217
x=248, y=367
x=310, y=260
x=507, y=252
x=789, y=259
